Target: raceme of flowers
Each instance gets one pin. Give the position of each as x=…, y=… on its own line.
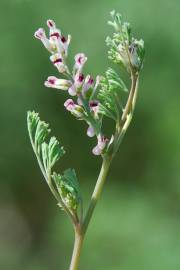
x=90, y=100
x=79, y=86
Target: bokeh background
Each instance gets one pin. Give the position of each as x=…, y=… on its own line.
x=137, y=222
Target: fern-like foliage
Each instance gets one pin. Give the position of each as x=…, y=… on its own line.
x=111, y=87
x=65, y=187
x=68, y=187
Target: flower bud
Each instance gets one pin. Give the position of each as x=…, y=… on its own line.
x=72, y=90
x=90, y=131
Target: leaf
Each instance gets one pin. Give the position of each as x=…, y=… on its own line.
x=109, y=94
x=71, y=179
x=68, y=187
x=47, y=153
x=114, y=80
x=42, y=130
x=32, y=120
x=103, y=110
x=55, y=151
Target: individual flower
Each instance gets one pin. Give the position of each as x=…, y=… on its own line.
x=53, y=30
x=102, y=143
x=94, y=106
x=54, y=82
x=65, y=42
x=75, y=109
x=41, y=35
x=88, y=84
x=78, y=82
x=69, y=105
x=80, y=60
x=58, y=62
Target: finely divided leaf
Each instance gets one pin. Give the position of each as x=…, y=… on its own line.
x=68, y=187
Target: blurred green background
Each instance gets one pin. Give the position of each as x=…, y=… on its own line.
x=137, y=222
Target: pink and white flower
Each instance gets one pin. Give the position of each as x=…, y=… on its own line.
x=69, y=105
x=78, y=80
x=53, y=30
x=102, y=143
x=75, y=109
x=58, y=62
x=94, y=106
x=64, y=43
x=54, y=82
x=41, y=35
x=80, y=60
x=88, y=83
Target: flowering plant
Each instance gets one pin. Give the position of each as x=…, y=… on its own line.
x=91, y=100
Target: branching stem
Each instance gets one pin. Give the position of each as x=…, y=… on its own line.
x=80, y=230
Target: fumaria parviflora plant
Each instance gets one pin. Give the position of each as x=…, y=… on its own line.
x=91, y=100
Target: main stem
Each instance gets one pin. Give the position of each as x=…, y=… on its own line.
x=97, y=190
x=80, y=229
x=76, y=250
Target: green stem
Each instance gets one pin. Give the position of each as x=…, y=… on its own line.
x=80, y=229
x=78, y=242
x=133, y=92
x=127, y=113
x=97, y=190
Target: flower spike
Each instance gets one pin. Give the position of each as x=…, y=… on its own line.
x=101, y=97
